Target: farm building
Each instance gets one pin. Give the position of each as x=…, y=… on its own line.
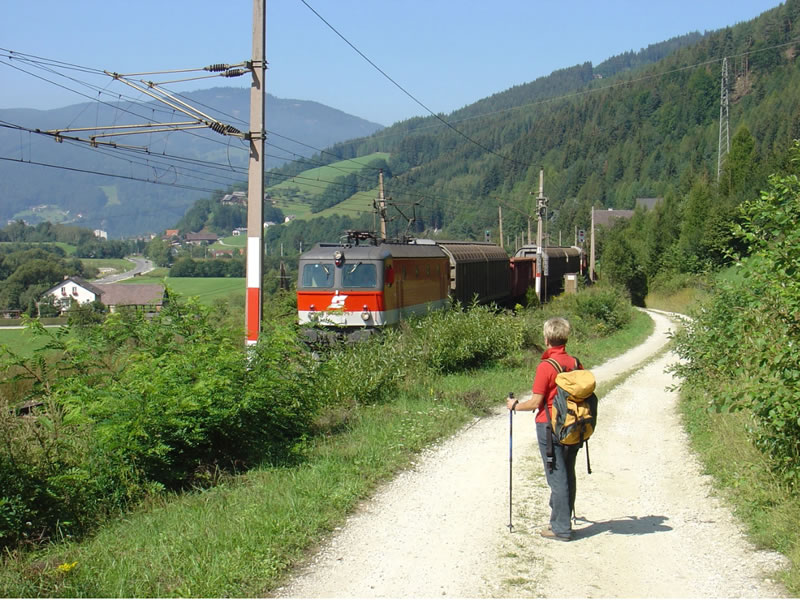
x=148, y=297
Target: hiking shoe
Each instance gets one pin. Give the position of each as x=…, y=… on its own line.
x=548, y=533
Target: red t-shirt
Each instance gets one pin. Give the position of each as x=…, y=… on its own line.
x=544, y=382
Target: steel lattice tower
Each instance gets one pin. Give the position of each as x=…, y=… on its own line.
x=724, y=133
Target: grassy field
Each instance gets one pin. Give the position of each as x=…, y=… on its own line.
x=314, y=181
x=360, y=202
x=112, y=195
x=232, y=241
x=116, y=265
x=205, y=289
x=241, y=538
x=20, y=341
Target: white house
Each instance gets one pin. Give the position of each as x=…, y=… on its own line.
x=74, y=288
x=149, y=297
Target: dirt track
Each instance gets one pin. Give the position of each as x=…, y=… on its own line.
x=648, y=524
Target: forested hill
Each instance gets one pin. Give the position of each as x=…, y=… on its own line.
x=572, y=79
x=605, y=136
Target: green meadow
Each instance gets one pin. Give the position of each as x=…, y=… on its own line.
x=205, y=289
x=20, y=341
x=288, y=194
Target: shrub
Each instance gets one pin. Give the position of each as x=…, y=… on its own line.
x=455, y=339
x=54, y=478
x=135, y=404
x=742, y=345
x=597, y=310
x=362, y=373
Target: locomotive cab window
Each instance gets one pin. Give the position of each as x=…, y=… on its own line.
x=359, y=275
x=318, y=275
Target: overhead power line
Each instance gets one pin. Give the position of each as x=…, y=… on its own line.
x=115, y=175
x=409, y=94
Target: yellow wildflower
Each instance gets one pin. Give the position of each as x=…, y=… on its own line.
x=67, y=567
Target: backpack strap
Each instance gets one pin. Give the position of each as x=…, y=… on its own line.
x=557, y=366
x=550, y=452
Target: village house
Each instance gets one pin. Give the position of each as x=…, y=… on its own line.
x=221, y=252
x=200, y=238
x=235, y=199
x=147, y=297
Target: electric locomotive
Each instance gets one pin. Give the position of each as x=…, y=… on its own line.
x=370, y=283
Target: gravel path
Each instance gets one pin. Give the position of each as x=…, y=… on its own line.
x=648, y=524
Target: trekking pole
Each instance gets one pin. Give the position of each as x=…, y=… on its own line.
x=510, y=455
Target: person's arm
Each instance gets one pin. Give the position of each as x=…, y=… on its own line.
x=531, y=403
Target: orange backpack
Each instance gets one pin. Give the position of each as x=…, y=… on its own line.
x=574, y=414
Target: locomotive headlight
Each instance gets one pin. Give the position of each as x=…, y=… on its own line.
x=365, y=314
x=338, y=258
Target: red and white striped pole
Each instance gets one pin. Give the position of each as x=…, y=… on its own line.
x=255, y=183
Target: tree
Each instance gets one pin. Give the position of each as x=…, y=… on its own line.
x=693, y=225
x=86, y=315
x=183, y=267
x=159, y=252
x=740, y=172
x=622, y=268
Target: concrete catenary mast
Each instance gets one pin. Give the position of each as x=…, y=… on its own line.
x=541, y=206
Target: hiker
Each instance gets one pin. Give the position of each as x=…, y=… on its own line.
x=561, y=478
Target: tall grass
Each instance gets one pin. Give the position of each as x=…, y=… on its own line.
x=766, y=505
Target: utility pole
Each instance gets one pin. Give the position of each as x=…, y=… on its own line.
x=541, y=207
x=382, y=205
x=500, y=218
x=591, y=250
x=255, y=181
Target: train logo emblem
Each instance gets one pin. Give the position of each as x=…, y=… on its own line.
x=337, y=302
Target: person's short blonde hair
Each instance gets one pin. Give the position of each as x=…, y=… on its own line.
x=556, y=331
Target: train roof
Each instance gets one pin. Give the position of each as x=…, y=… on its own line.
x=531, y=250
x=465, y=252
x=374, y=252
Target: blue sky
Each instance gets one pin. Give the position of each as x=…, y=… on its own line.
x=446, y=53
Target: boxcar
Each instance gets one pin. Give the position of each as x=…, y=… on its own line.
x=478, y=271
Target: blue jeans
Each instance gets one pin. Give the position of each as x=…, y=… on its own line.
x=561, y=481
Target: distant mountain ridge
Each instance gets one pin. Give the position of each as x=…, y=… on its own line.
x=124, y=206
